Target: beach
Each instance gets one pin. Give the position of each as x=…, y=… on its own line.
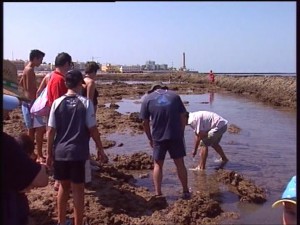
x=113, y=197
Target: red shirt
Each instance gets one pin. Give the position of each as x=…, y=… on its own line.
x=211, y=77
x=56, y=87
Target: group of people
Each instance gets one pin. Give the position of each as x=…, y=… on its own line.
x=164, y=119
x=70, y=96
x=168, y=116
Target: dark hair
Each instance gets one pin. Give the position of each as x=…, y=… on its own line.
x=35, y=53
x=73, y=78
x=62, y=58
x=26, y=143
x=91, y=67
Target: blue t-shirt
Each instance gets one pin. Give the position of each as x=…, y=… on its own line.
x=164, y=107
x=72, y=116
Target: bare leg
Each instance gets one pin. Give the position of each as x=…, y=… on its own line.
x=62, y=199
x=39, y=142
x=78, y=199
x=182, y=173
x=203, y=157
x=157, y=175
x=220, y=151
x=31, y=133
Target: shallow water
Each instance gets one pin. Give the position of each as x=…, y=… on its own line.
x=264, y=151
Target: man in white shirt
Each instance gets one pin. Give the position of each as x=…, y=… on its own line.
x=209, y=128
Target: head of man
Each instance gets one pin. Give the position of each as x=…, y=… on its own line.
x=289, y=202
x=63, y=62
x=157, y=85
x=91, y=68
x=36, y=57
x=74, y=80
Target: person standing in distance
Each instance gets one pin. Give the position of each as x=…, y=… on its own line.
x=167, y=112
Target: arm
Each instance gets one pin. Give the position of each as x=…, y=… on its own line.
x=96, y=137
x=91, y=86
x=146, y=124
x=30, y=84
x=43, y=84
x=94, y=133
x=183, y=120
x=40, y=180
x=50, y=140
x=21, y=173
x=198, y=138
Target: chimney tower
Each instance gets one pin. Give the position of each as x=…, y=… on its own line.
x=183, y=61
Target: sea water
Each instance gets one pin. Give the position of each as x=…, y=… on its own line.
x=264, y=151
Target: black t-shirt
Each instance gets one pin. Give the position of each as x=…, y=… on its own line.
x=17, y=172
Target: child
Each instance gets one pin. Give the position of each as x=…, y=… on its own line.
x=27, y=144
x=289, y=202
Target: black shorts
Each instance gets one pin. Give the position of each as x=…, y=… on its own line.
x=70, y=170
x=176, y=149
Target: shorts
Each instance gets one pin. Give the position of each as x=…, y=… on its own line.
x=39, y=121
x=70, y=170
x=27, y=115
x=176, y=149
x=213, y=137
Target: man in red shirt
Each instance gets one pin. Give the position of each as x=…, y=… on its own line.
x=56, y=85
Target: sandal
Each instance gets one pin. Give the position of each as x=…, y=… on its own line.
x=186, y=195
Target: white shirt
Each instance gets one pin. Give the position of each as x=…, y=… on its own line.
x=206, y=121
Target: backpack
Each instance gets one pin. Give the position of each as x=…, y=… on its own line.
x=39, y=106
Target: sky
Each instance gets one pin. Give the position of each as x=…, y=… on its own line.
x=228, y=37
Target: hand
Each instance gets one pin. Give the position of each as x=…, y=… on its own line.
x=102, y=157
x=49, y=162
x=194, y=153
x=151, y=143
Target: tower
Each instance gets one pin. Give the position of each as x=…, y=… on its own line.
x=183, y=67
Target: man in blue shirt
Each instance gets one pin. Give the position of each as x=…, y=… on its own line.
x=167, y=113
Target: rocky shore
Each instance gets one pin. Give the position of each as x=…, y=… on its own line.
x=113, y=197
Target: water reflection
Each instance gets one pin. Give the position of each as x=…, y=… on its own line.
x=211, y=97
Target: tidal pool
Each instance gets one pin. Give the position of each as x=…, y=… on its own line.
x=264, y=151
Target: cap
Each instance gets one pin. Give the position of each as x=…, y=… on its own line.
x=156, y=85
x=10, y=102
x=10, y=81
x=289, y=194
x=73, y=78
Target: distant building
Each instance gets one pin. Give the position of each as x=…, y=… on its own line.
x=20, y=64
x=150, y=65
x=131, y=69
x=109, y=68
x=43, y=67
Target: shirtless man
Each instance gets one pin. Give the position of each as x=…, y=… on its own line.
x=28, y=82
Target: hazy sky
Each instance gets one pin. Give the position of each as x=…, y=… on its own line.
x=222, y=36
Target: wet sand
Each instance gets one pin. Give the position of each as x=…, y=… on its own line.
x=113, y=197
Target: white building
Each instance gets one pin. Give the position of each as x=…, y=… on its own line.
x=131, y=69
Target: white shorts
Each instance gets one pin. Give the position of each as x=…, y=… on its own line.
x=40, y=121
